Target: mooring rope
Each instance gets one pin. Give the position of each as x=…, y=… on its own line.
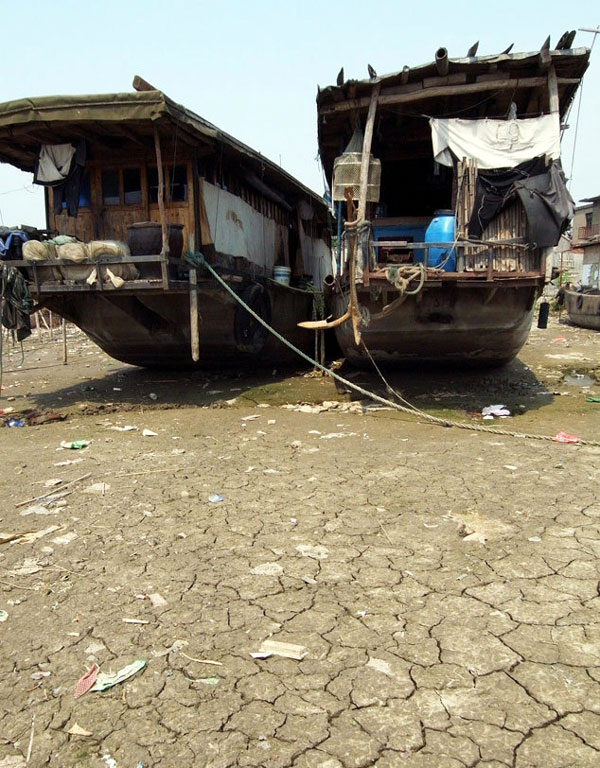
x=198, y=260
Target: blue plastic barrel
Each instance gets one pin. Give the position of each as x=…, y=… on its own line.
x=441, y=230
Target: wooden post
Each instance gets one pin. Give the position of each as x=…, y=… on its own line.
x=552, y=90
x=366, y=153
x=51, y=324
x=194, y=326
x=64, y=336
x=299, y=258
x=38, y=325
x=163, y=214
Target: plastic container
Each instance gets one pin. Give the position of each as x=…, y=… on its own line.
x=441, y=230
x=282, y=275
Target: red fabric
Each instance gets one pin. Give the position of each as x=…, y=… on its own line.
x=85, y=683
x=562, y=437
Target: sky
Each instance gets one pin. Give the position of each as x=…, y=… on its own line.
x=252, y=67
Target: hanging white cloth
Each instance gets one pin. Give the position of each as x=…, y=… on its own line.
x=495, y=143
x=54, y=163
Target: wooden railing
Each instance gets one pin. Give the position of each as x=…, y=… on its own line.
x=585, y=233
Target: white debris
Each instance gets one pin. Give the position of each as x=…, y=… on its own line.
x=381, y=666
x=276, y=648
x=157, y=600
x=317, y=552
x=99, y=488
x=37, y=509
x=267, y=569
x=478, y=537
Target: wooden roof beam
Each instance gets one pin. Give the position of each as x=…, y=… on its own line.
x=398, y=96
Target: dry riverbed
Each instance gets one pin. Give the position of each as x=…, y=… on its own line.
x=443, y=584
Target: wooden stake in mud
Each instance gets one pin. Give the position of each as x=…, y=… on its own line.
x=64, y=338
x=161, y=208
x=51, y=324
x=194, y=327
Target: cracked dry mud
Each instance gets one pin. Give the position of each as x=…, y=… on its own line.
x=423, y=648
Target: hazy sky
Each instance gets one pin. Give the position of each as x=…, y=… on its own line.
x=252, y=67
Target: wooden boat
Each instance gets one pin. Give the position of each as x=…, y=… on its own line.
x=152, y=168
x=583, y=308
x=404, y=286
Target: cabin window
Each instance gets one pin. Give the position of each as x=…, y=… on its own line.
x=132, y=186
x=110, y=187
x=84, y=194
x=588, y=219
x=152, y=177
x=179, y=190
x=84, y=191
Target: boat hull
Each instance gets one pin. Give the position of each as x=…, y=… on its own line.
x=152, y=329
x=471, y=326
x=583, y=309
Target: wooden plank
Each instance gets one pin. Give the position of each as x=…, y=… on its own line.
x=389, y=97
x=194, y=325
x=553, y=90
x=455, y=79
x=366, y=153
x=161, y=192
x=299, y=260
x=163, y=214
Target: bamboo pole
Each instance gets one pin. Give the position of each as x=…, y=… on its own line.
x=64, y=340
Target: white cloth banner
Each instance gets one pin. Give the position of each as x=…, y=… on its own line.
x=496, y=143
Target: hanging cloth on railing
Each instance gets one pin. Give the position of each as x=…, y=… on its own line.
x=495, y=143
x=15, y=301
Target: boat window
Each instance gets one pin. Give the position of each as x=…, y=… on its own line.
x=84, y=195
x=132, y=186
x=84, y=191
x=179, y=193
x=152, y=177
x=110, y=187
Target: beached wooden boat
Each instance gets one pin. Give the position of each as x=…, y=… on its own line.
x=146, y=172
x=583, y=308
x=441, y=178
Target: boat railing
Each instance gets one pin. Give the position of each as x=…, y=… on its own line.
x=510, y=256
x=163, y=282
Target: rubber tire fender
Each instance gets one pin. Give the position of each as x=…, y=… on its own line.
x=249, y=335
x=579, y=303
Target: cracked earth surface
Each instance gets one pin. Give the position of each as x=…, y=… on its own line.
x=425, y=646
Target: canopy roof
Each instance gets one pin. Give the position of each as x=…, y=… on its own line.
x=472, y=87
x=116, y=119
